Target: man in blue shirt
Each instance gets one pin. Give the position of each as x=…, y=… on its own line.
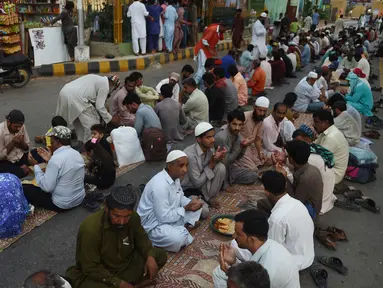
x=315, y=20
x=227, y=61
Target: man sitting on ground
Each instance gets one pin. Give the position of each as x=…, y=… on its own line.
x=45, y=278
x=308, y=185
x=186, y=72
x=216, y=99
x=258, y=80
x=173, y=79
x=278, y=68
x=208, y=68
x=246, y=59
x=251, y=236
x=350, y=109
x=227, y=61
x=196, y=108
x=171, y=114
x=236, y=146
x=145, y=115
x=165, y=210
x=265, y=65
x=14, y=145
x=308, y=95
x=113, y=249
x=333, y=140
x=247, y=275
x=119, y=110
x=205, y=171
x=228, y=89
x=239, y=84
x=289, y=100
x=144, y=92
x=61, y=187
x=289, y=223
x=346, y=123
x=252, y=133
x=323, y=159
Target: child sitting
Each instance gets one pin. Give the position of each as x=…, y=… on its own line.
x=101, y=170
x=98, y=132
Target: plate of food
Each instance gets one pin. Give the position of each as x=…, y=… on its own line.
x=223, y=224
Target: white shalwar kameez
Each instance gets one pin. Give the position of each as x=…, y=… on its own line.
x=82, y=102
x=162, y=214
x=137, y=12
x=258, y=39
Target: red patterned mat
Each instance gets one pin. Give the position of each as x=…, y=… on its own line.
x=304, y=118
x=194, y=265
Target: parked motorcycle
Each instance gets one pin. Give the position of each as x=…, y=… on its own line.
x=16, y=70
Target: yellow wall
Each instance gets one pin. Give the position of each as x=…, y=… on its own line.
x=340, y=4
x=376, y=4
x=358, y=10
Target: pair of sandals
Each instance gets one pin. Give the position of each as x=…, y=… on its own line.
x=354, y=199
x=92, y=200
x=329, y=236
x=320, y=275
x=372, y=134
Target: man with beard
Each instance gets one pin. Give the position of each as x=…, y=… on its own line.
x=113, y=249
x=206, y=173
x=118, y=108
x=235, y=145
x=165, y=210
x=252, y=132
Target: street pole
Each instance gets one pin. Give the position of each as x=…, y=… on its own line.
x=80, y=18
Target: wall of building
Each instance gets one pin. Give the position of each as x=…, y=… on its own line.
x=340, y=4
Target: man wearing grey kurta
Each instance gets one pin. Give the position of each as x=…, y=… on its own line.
x=228, y=89
x=236, y=147
x=171, y=114
x=205, y=172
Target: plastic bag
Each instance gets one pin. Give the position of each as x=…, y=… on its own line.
x=127, y=146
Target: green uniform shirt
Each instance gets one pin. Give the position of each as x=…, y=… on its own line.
x=104, y=252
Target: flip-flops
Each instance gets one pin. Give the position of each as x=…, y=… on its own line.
x=372, y=134
x=319, y=276
x=326, y=238
x=368, y=204
x=91, y=204
x=353, y=194
x=333, y=263
x=96, y=195
x=347, y=204
x=339, y=233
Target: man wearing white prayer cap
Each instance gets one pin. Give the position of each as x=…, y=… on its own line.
x=206, y=173
x=165, y=210
x=258, y=38
x=309, y=97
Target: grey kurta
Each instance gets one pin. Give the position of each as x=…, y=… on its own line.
x=171, y=116
x=231, y=97
x=232, y=143
x=200, y=175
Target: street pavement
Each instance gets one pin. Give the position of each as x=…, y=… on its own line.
x=52, y=246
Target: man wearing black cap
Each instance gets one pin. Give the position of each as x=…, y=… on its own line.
x=14, y=145
x=113, y=249
x=251, y=229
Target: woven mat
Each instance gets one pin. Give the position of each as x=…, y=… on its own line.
x=125, y=169
x=194, y=265
x=305, y=118
x=38, y=218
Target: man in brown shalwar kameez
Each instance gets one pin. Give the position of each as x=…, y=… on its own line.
x=238, y=28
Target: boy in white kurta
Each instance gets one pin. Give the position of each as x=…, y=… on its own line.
x=163, y=208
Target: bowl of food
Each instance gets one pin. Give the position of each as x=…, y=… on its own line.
x=223, y=224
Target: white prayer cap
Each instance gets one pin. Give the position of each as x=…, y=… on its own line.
x=262, y=102
x=312, y=75
x=202, y=128
x=263, y=14
x=174, y=155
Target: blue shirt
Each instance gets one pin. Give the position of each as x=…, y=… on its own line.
x=146, y=118
x=63, y=177
x=306, y=54
x=315, y=19
x=153, y=27
x=170, y=16
x=226, y=62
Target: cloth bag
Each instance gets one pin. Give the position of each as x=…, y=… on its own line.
x=127, y=146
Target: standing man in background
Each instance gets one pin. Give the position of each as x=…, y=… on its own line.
x=315, y=20
x=154, y=26
x=258, y=38
x=170, y=20
x=137, y=12
x=237, y=30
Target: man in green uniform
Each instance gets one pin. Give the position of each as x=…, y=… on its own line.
x=113, y=249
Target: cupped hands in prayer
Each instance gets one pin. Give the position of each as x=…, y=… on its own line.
x=227, y=257
x=194, y=205
x=44, y=153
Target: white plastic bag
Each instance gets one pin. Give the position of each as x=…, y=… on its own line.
x=127, y=146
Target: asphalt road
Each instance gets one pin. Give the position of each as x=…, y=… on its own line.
x=52, y=246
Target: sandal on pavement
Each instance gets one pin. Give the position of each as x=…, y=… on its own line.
x=319, y=276
x=353, y=194
x=348, y=205
x=333, y=263
x=368, y=204
x=326, y=238
x=91, y=205
x=372, y=134
x=339, y=233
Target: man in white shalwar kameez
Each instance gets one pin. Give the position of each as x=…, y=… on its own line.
x=137, y=12
x=308, y=22
x=339, y=26
x=163, y=208
x=82, y=103
x=258, y=38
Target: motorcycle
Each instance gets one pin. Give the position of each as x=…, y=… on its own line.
x=15, y=70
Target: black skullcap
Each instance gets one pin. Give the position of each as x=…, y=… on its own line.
x=15, y=116
x=122, y=197
x=255, y=223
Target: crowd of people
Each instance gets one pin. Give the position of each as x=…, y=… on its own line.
x=124, y=243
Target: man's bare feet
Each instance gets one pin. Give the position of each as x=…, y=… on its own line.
x=214, y=204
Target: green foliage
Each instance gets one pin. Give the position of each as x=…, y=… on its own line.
x=105, y=21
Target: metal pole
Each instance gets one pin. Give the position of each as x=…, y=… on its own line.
x=80, y=17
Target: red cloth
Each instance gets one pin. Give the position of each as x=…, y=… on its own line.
x=212, y=37
x=278, y=70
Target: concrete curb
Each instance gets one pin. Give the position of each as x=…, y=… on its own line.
x=106, y=66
